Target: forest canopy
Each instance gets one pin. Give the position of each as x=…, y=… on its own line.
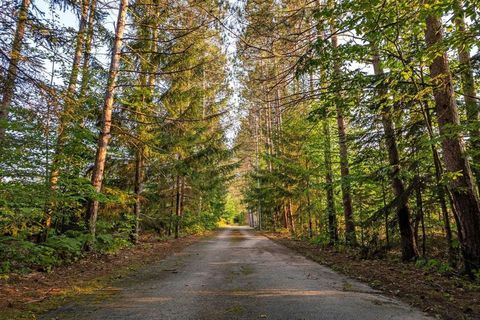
x=106, y=131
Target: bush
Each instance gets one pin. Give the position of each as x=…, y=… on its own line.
x=434, y=265
x=196, y=223
x=67, y=248
x=320, y=240
x=107, y=243
x=22, y=256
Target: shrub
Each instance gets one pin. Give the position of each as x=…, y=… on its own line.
x=434, y=265
x=23, y=256
x=19, y=255
x=67, y=248
x=108, y=243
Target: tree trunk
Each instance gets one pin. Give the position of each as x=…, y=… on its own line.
x=285, y=216
x=440, y=188
x=309, y=211
x=420, y=219
x=387, y=230
x=178, y=207
x=147, y=82
x=350, y=237
x=138, y=189
x=290, y=217
x=105, y=130
x=87, y=51
x=469, y=92
x=257, y=165
x=327, y=153
x=408, y=243
x=11, y=77
x=332, y=217
x=68, y=111
x=173, y=206
x=461, y=182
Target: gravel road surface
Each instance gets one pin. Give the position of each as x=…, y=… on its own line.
x=236, y=274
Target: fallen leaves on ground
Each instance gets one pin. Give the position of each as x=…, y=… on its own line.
x=446, y=297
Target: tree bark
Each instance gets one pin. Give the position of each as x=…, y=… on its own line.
x=290, y=217
x=332, y=217
x=469, y=92
x=257, y=164
x=285, y=215
x=327, y=154
x=442, y=192
x=69, y=109
x=350, y=237
x=408, y=243
x=387, y=230
x=138, y=189
x=11, y=77
x=105, y=130
x=178, y=205
x=181, y=201
x=309, y=211
x=87, y=51
x=420, y=219
x=147, y=65
x=461, y=183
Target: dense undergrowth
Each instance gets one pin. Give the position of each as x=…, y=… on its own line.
x=22, y=254
x=434, y=261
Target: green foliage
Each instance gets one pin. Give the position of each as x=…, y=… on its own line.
x=193, y=223
x=174, y=123
x=68, y=247
x=110, y=243
x=21, y=256
x=290, y=137
x=434, y=265
x=233, y=210
x=321, y=240
x=169, y=156
x=477, y=276
x=21, y=211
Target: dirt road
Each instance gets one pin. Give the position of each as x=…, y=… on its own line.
x=237, y=274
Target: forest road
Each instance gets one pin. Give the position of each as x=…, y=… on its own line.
x=237, y=274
